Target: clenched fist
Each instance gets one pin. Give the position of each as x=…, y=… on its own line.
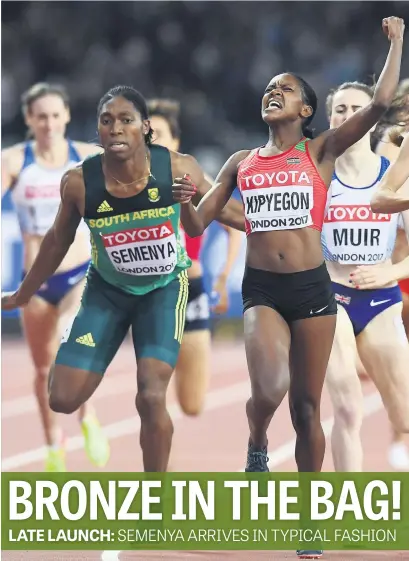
x=394, y=28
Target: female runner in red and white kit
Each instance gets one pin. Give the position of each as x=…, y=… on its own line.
x=192, y=369
x=32, y=171
x=358, y=246
x=289, y=305
x=288, y=299
x=397, y=115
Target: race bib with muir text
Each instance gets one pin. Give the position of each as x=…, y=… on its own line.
x=143, y=251
x=355, y=234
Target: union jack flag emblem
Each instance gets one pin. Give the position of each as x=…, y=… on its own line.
x=342, y=299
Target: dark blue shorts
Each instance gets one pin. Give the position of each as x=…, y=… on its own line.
x=198, y=307
x=363, y=305
x=58, y=286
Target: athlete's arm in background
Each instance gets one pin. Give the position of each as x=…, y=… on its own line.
x=188, y=172
x=6, y=177
x=234, y=242
x=333, y=143
x=386, y=198
x=382, y=274
x=195, y=221
x=401, y=269
x=232, y=216
x=11, y=160
x=85, y=149
x=55, y=243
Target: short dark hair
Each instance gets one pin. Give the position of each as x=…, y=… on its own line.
x=39, y=90
x=132, y=95
x=168, y=109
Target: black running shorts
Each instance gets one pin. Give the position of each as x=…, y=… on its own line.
x=301, y=295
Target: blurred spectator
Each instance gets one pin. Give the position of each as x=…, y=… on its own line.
x=215, y=57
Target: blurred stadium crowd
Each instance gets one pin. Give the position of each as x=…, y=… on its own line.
x=215, y=57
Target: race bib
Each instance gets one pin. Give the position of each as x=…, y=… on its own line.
x=38, y=218
x=356, y=235
x=143, y=251
x=41, y=206
x=278, y=208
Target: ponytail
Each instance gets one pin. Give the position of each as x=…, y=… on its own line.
x=307, y=132
x=396, y=136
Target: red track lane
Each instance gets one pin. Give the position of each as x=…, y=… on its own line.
x=215, y=441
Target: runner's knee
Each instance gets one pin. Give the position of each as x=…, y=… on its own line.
x=266, y=399
x=347, y=405
x=66, y=404
x=191, y=406
x=41, y=381
x=153, y=380
x=68, y=389
x=191, y=383
x=304, y=414
x=150, y=402
x=41, y=375
x=348, y=414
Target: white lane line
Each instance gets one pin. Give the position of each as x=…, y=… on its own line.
x=113, y=385
x=110, y=555
x=215, y=399
x=372, y=404
x=116, y=385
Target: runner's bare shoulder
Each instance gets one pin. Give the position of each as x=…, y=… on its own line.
x=238, y=157
x=230, y=169
x=86, y=149
x=72, y=186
